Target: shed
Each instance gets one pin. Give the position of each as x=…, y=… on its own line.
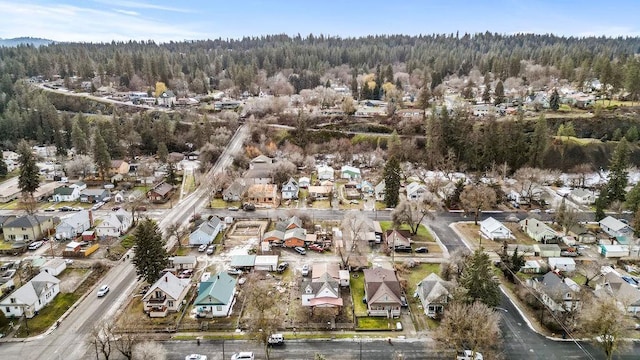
x=614, y=251
x=533, y=267
x=88, y=235
x=344, y=277
x=547, y=250
x=183, y=262
x=73, y=246
x=266, y=262
x=243, y=261
x=562, y=263
x=54, y=266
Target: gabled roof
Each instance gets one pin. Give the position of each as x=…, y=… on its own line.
x=613, y=223
x=415, y=186
x=243, y=260
x=319, y=269
x=170, y=285
x=580, y=192
x=295, y=233
x=183, y=260
x=432, y=288
x=76, y=218
x=261, y=159
x=64, y=190
x=285, y=224
x=92, y=192
x=26, y=221
x=291, y=181
x=209, y=227
x=379, y=282
x=554, y=285
x=277, y=234
x=111, y=221
x=29, y=293
x=537, y=227
x=491, y=224
x=217, y=291
x=395, y=238
x=349, y=168
x=162, y=188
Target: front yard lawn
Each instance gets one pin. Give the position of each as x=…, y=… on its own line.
x=48, y=315
x=357, y=293
x=422, y=235
x=375, y=323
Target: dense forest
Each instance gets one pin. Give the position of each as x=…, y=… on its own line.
x=249, y=64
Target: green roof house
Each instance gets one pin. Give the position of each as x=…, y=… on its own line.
x=216, y=296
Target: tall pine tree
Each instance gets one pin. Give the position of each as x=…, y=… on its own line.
x=392, y=182
x=29, y=178
x=618, y=173
x=539, y=142
x=150, y=257
x=101, y=155
x=477, y=279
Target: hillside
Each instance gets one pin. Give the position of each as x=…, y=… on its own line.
x=24, y=41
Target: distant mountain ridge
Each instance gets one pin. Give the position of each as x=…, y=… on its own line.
x=24, y=41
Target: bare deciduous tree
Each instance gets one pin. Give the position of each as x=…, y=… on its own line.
x=262, y=303
x=149, y=350
x=477, y=198
x=353, y=226
x=101, y=339
x=605, y=321
x=474, y=327
x=452, y=269
x=81, y=165
x=413, y=212
x=528, y=182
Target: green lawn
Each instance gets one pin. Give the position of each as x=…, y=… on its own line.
x=579, y=141
x=418, y=273
x=422, y=235
x=579, y=279
x=375, y=323
x=48, y=315
x=357, y=293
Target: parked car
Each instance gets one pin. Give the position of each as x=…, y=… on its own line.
x=196, y=357
x=202, y=248
x=244, y=355
x=104, y=289
x=282, y=267
x=569, y=253
x=35, y=245
x=248, y=207
x=233, y=208
x=403, y=248
x=422, y=249
x=276, y=339
x=115, y=208
x=66, y=208
x=233, y=271
x=185, y=274
x=468, y=355
x=300, y=250
x=97, y=205
x=403, y=302
x=316, y=247
x=305, y=270
x=535, y=211
x=211, y=249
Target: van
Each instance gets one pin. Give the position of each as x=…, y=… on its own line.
x=276, y=339
x=300, y=250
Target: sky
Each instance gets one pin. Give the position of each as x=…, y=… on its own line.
x=163, y=21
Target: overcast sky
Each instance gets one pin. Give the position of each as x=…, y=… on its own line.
x=162, y=21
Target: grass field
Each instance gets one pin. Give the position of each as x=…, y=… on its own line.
x=48, y=315
x=357, y=292
x=422, y=235
x=579, y=141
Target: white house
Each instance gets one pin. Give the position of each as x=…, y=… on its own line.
x=557, y=292
x=183, y=262
x=290, y=189
x=416, y=190
x=206, y=232
x=494, y=229
x=216, y=296
x=380, y=190
x=73, y=225
x=66, y=193
x=165, y=295
x=614, y=251
x=565, y=264
x=537, y=230
x=31, y=297
x=304, y=182
x=582, y=196
x=115, y=224
x=325, y=172
x=614, y=227
x=434, y=294
x=350, y=172
x=54, y=266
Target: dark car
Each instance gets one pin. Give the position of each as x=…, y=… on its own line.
x=282, y=267
x=403, y=248
x=248, y=207
x=316, y=247
x=422, y=249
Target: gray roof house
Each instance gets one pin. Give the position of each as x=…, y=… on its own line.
x=73, y=225
x=31, y=297
x=236, y=190
x=537, y=230
x=290, y=189
x=614, y=227
x=216, y=296
x=434, y=294
x=165, y=295
x=557, y=292
x=206, y=232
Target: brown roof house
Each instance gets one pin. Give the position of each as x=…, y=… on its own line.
x=160, y=193
x=165, y=295
x=119, y=167
x=382, y=292
x=263, y=194
x=323, y=288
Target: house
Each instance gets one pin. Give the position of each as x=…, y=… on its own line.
x=614, y=285
x=290, y=189
x=288, y=224
x=582, y=196
x=259, y=176
x=66, y=193
x=434, y=294
x=564, y=264
x=235, y=191
x=119, y=167
x=114, y=225
x=27, y=228
x=533, y=267
x=304, y=182
x=415, y=191
x=266, y=263
x=165, y=295
x=615, y=228
x=366, y=187
x=54, y=266
x=261, y=162
x=206, y=232
x=382, y=291
x=322, y=288
x=31, y=297
x=395, y=239
x=118, y=198
x=614, y=251
x=183, y=262
x=74, y=224
x=582, y=234
x=93, y=195
x=380, y=190
x=325, y=172
x=547, y=250
x=135, y=195
x=295, y=237
x=160, y=193
x=558, y=293
x=167, y=98
x=320, y=192
x=350, y=172
x=537, y=230
x=243, y=262
x=216, y=296
x=495, y=230
x=263, y=194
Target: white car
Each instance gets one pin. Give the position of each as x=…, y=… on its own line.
x=196, y=357
x=244, y=355
x=104, y=289
x=202, y=248
x=305, y=270
x=468, y=355
x=35, y=245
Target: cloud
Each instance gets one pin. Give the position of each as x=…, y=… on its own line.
x=127, y=12
x=80, y=24
x=142, y=5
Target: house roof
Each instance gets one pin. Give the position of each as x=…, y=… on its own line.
x=170, y=285
x=580, y=192
x=64, y=190
x=266, y=260
x=537, y=227
x=613, y=223
x=243, y=260
x=380, y=282
x=75, y=218
x=26, y=221
x=554, y=284
x=395, y=238
x=29, y=293
x=432, y=288
x=217, y=291
x=261, y=173
x=321, y=268
x=116, y=163
x=295, y=233
x=162, y=188
x=93, y=192
x=184, y=260
x=261, y=159
x=210, y=227
x=554, y=261
x=291, y=181
x=348, y=168
x=238, y=186
x=414, y=187
x=285, y=224
x=277, y=234
x=111, y=221
x=54, y=263
x=491, y=224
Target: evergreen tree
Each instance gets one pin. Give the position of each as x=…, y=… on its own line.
x=554, y=101
x=101, y=155
x=79, y=139
x=618, y=173
x=29, y=178
x=539, y=142
x=477, y=279
x=3, y=169
x=392, y=182
x=162, y=152
x=601, y=203
x=171, y=176
x=150, y=256
x=632, y=134
x=499, y=93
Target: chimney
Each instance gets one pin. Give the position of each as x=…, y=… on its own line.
x=166, y=279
